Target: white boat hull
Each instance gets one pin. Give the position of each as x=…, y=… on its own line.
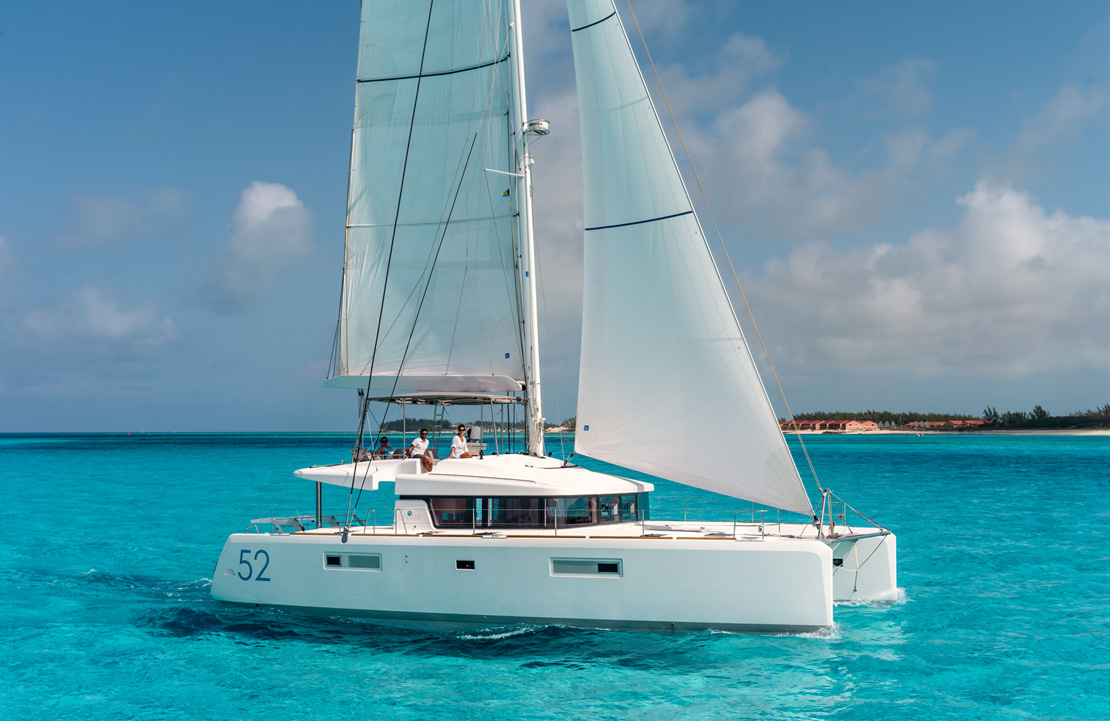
x=758, y=585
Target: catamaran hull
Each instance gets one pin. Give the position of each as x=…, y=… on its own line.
x=772, y=586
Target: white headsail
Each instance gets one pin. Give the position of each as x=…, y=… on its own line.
x=668, y=385
x=431, y=296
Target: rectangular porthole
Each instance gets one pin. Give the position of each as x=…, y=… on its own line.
x=464, y=565
x=586, y=567
x=354, y=561
x=367, y=562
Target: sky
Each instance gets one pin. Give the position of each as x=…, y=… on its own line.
x=915, y=197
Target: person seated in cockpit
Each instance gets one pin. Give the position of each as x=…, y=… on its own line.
x=419, y=449
x=458, y=445
x=384, y=449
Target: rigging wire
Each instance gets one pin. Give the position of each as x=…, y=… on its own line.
x=724, y=249
x=445, y=221
x=389, y=259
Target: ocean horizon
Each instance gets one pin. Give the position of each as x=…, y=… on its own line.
x=111, y=540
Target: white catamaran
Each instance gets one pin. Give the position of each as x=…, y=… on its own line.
x=438, y=307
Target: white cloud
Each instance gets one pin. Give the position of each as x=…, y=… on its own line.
x=100, y=220
x=782, y=184
x=1009, y=291
x=1054, y=128
x=740, y=60
x=94, y=314
x=270, y=229
x=905, y=86
x=1060, y=118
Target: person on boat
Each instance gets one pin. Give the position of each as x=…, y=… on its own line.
x=458, y=445
x=419, y=449
x=384, y=449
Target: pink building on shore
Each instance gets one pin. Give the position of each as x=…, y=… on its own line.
x=836, y=425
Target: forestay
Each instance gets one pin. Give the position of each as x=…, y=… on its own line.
x=668, y=385
x=430, y=295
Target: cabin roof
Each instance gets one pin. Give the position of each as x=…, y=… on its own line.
x=507, y=475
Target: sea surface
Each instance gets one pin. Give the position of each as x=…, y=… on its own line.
x=109, y=542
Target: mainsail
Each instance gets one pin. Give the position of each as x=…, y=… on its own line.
x=667, y=384
x=431, y=296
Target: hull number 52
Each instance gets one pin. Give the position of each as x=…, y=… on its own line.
x=244, y=562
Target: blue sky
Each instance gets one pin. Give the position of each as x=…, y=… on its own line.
x=916, y=197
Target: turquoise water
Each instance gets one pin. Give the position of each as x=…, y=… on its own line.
x=109, y=543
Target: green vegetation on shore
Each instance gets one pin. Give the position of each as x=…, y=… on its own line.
x=1036, y=418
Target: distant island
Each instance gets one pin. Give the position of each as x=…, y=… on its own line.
x=1037, y=419
x=991, y=419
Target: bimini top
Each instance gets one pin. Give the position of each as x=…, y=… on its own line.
x=509, y=475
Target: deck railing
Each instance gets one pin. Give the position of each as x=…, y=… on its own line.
x=749, y=524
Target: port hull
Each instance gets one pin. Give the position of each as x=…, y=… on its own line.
x=772, y=585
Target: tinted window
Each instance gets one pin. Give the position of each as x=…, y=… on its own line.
x=453, y=512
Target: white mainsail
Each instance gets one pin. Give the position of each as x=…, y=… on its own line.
x=667, y=384
x=431, y=296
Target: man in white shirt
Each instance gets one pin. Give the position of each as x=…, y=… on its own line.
x=458, y=445
x=419, y=449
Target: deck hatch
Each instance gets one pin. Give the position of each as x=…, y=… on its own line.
x=586, y=567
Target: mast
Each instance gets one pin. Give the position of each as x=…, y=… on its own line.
x=534, y=409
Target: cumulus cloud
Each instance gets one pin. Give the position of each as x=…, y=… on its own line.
x=904, y=86
x=1056, y=126
x=94, y=314
x=783, y=184
x=101, y=220
x=270, y=229
x=740, y=60
x=1009, y=291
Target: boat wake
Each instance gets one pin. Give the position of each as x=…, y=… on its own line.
x=497, y=633
x=894, y=597
x=828, y=633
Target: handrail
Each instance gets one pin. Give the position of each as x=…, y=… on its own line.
x=838, y=520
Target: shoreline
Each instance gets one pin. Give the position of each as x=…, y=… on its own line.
x=927, y=431
x=992, y=432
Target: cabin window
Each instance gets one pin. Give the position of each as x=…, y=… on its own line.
x=464, y=565
x=586, y=567
x=514, y=513
x=634, y=507
x=607, y=509
x=367, y=562
x=576, y=511
x=453, y=512
x=354, y=561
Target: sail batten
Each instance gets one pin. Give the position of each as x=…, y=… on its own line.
x=434, y=74
x=660, y=340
